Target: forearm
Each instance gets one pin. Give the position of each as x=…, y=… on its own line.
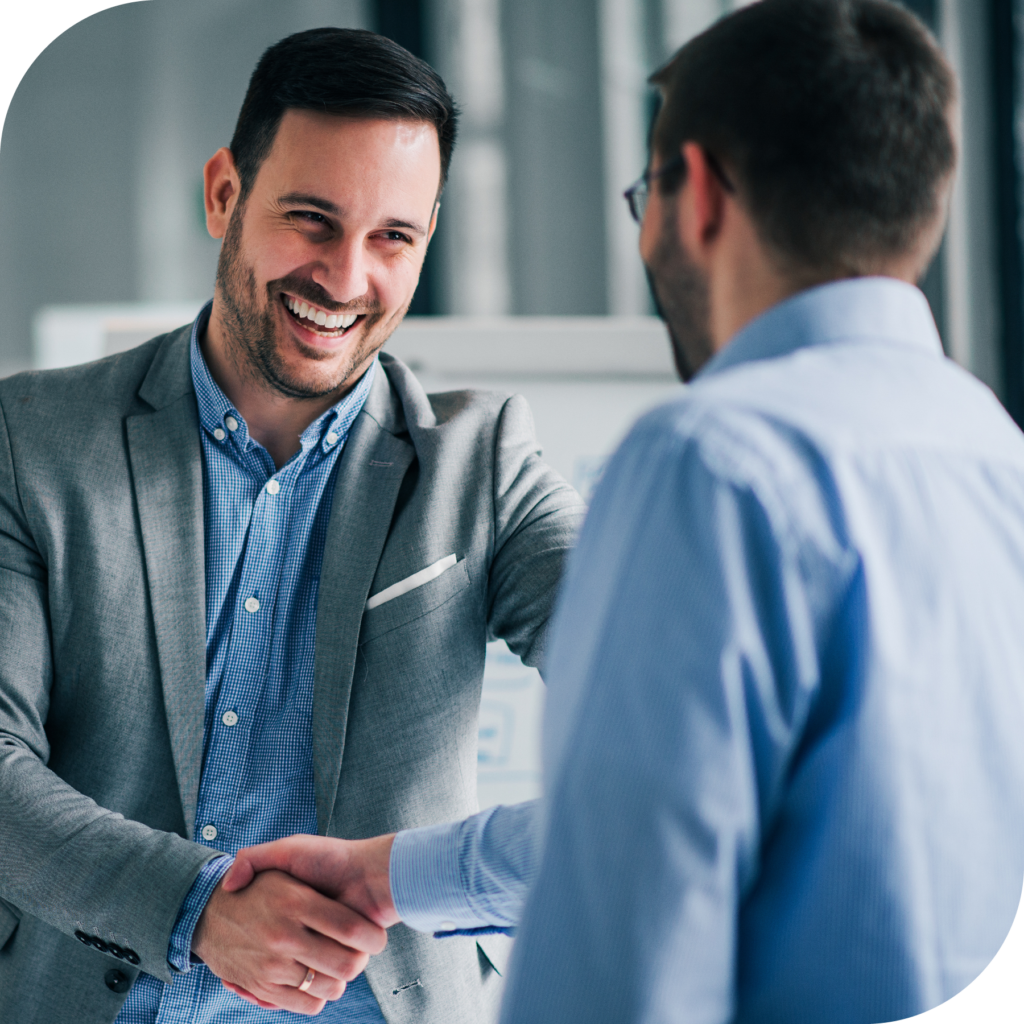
x=471, y=874
x=79, y=867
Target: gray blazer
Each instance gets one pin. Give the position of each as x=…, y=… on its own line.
x=102, y=660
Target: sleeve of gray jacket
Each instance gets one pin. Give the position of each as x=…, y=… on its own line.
x=66, y=860
x=537, y=518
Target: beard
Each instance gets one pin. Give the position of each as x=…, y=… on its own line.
x=253, y=334
x=679, y=289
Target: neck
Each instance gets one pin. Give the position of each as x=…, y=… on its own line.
x=748, y=282
x=275, y=420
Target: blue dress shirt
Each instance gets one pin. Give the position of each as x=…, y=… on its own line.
x=784, y=741
x=264, y=541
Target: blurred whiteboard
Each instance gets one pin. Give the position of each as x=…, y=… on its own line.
x=587, y=380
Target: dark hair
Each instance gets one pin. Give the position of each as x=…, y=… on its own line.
x=342, y=71
x=833, y=116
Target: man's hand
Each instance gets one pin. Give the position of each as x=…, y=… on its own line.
x=260, y=942
x=353, y=871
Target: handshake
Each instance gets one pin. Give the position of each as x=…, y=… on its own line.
x=293, y=921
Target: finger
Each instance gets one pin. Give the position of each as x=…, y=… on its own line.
x=248, y=996
x=280, y=997
x=325, y=987
x=344, y=925
x=323, y=955
x=288, y=998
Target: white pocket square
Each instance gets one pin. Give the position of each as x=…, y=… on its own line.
x=417, y=579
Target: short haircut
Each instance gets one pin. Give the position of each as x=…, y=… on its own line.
x=834, y=118
x=344, y=71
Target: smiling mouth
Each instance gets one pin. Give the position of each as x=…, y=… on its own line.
x=320, y=321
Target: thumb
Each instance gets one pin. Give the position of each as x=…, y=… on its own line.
x=240, y=874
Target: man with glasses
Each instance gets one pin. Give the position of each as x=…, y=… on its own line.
x=784, y=776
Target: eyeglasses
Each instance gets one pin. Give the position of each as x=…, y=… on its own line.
x=639, y=193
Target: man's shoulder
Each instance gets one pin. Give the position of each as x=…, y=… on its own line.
x=90, y=392
x=467, y=411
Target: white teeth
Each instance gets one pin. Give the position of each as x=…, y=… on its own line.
x=332, y=321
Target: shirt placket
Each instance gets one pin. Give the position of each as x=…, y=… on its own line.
x=243, y=692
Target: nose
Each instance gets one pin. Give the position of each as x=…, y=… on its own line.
x=344, y=273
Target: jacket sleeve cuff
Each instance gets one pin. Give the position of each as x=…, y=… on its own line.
x=179, y=952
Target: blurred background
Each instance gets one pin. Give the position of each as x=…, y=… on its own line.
x=532, y=282
x=103, y=147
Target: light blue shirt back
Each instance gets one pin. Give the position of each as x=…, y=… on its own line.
x=784, y=742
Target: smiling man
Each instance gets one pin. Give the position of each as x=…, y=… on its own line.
x=248, y=571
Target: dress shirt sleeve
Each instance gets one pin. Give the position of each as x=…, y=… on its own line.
x=179, y=953
x=682, y=666
x=466, y=877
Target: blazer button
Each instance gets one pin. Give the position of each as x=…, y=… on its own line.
x=117, y=981
x=115, y=950
x=132, y=957
x=98, y=943
x=82, y=937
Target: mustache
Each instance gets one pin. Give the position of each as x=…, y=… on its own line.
x=316, y=295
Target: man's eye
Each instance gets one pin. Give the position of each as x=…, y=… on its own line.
x=396, y=236
x=309, y=217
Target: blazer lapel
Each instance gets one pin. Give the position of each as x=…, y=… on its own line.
x=166, y=461
x=373, y=465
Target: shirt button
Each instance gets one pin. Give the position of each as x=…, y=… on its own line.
x=229, y=718
x=219, y=434
x=231, y=423
x=446, y=926
x=273, y=487
x=251, y=604
x=332, y=438
x=209, y=833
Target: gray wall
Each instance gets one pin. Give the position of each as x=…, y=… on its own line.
x=556, y=180
x=67, y=176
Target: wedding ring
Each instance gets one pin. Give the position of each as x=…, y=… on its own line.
x=307, y=980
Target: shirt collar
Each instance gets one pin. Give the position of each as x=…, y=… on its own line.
x=218, y=416
x=879, y=309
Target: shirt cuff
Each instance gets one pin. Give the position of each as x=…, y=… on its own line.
x=179, y=952
x=426, y=880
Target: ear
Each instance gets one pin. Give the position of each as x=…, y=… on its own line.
x=433, y=222
x=701, y=205
x=221, y=188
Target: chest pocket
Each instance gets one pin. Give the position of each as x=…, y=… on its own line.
x=414, y=604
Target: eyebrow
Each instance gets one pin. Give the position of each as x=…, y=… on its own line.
x=307, y=199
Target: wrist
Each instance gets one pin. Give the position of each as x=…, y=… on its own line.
x=378, y=879
x=192, y=910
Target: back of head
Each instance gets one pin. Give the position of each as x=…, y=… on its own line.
x=833, y=115
x=349, y=72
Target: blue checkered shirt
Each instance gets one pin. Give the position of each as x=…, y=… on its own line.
x=265, y=531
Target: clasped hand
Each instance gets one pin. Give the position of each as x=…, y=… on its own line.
x=301, y=903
